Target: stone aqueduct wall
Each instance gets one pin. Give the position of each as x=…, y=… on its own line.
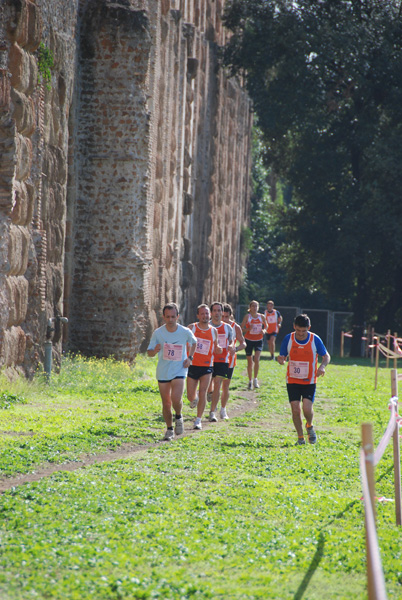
x=125, y=182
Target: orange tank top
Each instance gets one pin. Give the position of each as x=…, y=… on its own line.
x=233, y=359
x=272, y=321
x=254, y=328
x=302, y=365
x=223, y=342
x=204, y=352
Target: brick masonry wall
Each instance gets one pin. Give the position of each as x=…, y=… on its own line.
x=123, y=186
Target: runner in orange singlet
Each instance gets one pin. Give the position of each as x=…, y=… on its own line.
x=303, y=348
x=227, y=318
x=202, y=364
x=253, y=326
x=221, y=361
x=274, y=321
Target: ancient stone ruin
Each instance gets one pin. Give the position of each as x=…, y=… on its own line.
x=124, y=173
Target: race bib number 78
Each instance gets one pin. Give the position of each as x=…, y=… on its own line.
x=172, y=351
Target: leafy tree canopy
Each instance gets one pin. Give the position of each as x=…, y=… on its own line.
x=325, y=77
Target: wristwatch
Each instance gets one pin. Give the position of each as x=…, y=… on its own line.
x=191, y=357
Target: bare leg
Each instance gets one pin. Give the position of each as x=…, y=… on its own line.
x=215, y=393
x=296, y=416
x=191, y=389
x=205, y=380
x=256, y=363
x=308, y=410
x=171, y=393
x=225, y=392
x=271, y=345
x=250, y=367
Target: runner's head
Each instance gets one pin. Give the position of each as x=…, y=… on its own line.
x=171, y=306
x=302, y=320
x=253, y=306
x=203, y=313
x=270, y=305
x=227, y=313
x=216, y=311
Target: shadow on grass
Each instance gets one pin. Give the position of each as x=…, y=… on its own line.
x=319, y=553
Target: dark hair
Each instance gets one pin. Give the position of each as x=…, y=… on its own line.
x=202, y=306
x=302, y=320
x=227, y=308
x=170, y=306
x=216, y=304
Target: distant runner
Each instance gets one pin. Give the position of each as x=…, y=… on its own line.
x=303, y=348
x=170, y=343
x=274, y=321
x=253, y=326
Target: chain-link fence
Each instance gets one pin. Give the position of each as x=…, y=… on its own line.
x=327, y=324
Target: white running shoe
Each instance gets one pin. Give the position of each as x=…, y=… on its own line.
x=179, y=426
x=223, y=414
x=250, y=385
x=169, y=435
x=197, y=423
x=212, y=417
x=256, y=384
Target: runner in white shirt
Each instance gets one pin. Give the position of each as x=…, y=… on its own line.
x=170, y=342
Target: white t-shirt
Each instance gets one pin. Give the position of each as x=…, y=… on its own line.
x=173, y=351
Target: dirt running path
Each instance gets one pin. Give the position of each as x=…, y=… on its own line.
x=125, y=450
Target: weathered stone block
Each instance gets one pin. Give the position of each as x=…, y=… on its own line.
x=24, y=157
x=13, y=347
x=188, y=203
x=23, y=112
x=20, y=68
x=35, y=25
x=17, y=297
x=18, y=248
x=21, y=213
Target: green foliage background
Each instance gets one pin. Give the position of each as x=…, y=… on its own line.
x=325, y=77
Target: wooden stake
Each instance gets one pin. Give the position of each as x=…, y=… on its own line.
x=342, y=343
x=395, y=357
x=368, y=448
x=388, y=347
x=397, y=455
x=377, y=356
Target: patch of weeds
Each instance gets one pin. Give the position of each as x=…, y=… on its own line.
x=8, y=400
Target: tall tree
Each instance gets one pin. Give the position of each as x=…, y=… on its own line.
x=325, y=77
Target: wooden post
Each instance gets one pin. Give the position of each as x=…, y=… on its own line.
x=368, y=449
x=397, y=455
x=372, y=342
x=388, y=347
x=395, y=357
x=377, y=356
x=342, y=343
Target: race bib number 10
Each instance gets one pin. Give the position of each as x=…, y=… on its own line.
x=172, y=351
x=298, y=369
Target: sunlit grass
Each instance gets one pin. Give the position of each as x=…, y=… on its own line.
x=232, y=512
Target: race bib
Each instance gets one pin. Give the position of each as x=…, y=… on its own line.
x=203, y=346
x=271, y=319
x=298, y=369
x=222, y=340
x=172, y=351
x=255, y=328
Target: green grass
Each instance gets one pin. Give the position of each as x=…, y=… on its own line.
x=232, y=512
